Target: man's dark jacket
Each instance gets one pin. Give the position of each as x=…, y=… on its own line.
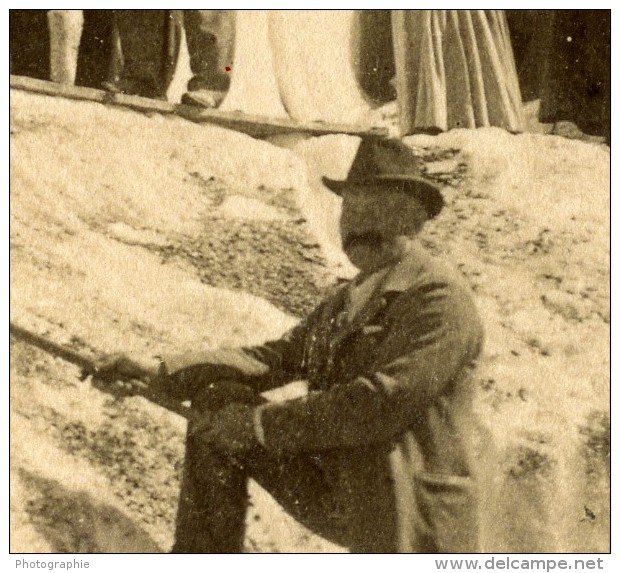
x=389, y=409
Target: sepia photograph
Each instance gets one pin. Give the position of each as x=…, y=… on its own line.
x=310, y=281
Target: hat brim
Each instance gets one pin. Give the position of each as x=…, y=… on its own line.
x=425, y=191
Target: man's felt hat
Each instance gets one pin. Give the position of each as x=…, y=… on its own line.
x=390, y=161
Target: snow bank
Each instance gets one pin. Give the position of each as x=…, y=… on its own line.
x=84, y=188
x=529, y=226
x=98, y=192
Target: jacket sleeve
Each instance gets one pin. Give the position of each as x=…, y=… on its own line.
x=261, y=367
x=437, y=333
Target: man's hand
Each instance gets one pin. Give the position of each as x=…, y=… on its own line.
x=231, y=429
x=121, y=366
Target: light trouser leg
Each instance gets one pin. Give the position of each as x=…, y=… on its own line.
x=210, y=41
x=65, y=28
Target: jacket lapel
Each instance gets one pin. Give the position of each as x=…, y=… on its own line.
x=396, y=279
x=376, y=303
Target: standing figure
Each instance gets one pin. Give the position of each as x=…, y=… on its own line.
x=149, y=42
x=455, y=69
x=382, y=454
x=564, y=59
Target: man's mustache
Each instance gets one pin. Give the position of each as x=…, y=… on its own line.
x=368, y=237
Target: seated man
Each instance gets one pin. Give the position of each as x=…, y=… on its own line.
x=378, y=456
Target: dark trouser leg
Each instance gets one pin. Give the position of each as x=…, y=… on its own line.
x=212, y=504
x=575, y=80
x=213, y=499
x=29, y=43
x=346, y=496
x=210, y=41
x=96, y=48
x=146, y=44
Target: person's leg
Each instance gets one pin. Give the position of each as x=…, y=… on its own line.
x=96, y=48
x=146, y=42
x=210, y=42
x=172, y=46
x=29, y=43
x=213, y=496
x=65, y=28
x=212, y=503
x=213, y=499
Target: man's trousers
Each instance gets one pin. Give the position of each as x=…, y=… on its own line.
x=213, y=499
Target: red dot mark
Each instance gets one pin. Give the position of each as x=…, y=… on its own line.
x=227, y=68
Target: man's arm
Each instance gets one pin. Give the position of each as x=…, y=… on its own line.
x=437, y=334
x=261, y=367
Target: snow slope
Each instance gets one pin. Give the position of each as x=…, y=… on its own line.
x=154, y=234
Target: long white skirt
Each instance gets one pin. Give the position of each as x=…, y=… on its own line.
x=455, y=68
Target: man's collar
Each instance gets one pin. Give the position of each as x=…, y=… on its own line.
x=400, y=276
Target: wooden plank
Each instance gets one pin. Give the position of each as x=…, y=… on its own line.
x=262, y=126
x=253, y=125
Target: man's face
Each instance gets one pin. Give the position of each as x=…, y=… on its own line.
x=372, y=218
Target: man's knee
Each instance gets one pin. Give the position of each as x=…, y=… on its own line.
x=216, y=395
